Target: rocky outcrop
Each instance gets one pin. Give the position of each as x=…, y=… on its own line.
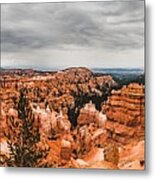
x=61, y=103
x=49, y=122
x=89, y=114
x=92, y=141
x=125, y=113
x=125, y=124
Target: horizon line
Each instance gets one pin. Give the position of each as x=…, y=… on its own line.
x=65, y=67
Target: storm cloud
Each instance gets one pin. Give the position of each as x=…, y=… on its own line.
x=72, y=34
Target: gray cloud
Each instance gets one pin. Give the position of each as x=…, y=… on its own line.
x=112, y=26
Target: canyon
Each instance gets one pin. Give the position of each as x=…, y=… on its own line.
x=71, y=119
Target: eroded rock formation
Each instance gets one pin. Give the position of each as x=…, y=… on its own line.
x=56, y=120
x=125, y=122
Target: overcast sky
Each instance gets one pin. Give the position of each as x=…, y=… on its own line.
x=91, y=34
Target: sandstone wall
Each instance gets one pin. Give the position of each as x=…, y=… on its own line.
x=125, y=113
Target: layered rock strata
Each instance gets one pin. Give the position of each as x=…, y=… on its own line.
x=38, y=115
x=125, y=124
